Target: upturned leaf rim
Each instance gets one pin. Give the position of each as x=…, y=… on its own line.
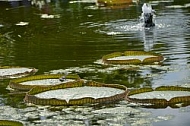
x=10, y=123
x=16, y=83
x=156, y=58
x=31, y=98
x=160, y=103
x=18, y=75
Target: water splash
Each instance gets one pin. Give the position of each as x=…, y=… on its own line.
x=148, y=16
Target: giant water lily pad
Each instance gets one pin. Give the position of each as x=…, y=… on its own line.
x=76, y=94
x=113, y=2
x=79, y=92
x=26, y=83
x=15, y=72
x=161, y=96
x=10, y=123
x=133, y=57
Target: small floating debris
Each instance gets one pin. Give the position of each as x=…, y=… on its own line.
x=10, y=123
x=76, y=94
x=26, y=83
x=49, y=16
x=22, y=23
x=15, y=72
x=161, y=97
x=133, y=57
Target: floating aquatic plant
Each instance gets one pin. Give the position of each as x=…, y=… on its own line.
x=113, y=2
x=161, y=96
x=26, y=83
x=10, y=123
x=77, y=93
x=132, y=57
x=15, y=72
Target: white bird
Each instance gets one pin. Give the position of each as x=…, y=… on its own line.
x=63, y=78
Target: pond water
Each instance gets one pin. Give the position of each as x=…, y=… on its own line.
x=74, y=36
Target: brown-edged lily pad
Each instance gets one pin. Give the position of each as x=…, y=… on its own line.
x=80, y=92
x=10, y=123
x=133, y=57
x=15, y=72
x=161, y=97
x=26, y=83
x=113, y=2
x=76, y=94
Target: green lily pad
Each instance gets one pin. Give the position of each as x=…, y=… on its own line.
x=161, y=97
x=10, y=123
x=133, y=57
x=76, y=94
x=79, y=92
x=15, y=72
x=46, y=82
x=168, y=95
x=141, y=58
x=113, y=2
x=26, y=83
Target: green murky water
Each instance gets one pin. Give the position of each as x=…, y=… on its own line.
x=79, y=35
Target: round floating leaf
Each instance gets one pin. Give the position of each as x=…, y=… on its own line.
x=76, y=93
x=113, y=2
x=161, y=97
x=10, y=123
x=132, y=57
x=15, y=72
x=26, y=83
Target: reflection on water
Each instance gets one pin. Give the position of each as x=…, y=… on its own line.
x=83, y=33
x=6, y=49
x=19, y=3
x=149, y=38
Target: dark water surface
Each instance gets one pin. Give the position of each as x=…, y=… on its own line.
x=82, y=33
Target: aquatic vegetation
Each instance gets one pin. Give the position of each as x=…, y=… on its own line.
x=58, y=44
x=10, y=123
x=161, y=96
x=77, y=93
x=132, y=57
x=27, y=83
x=113, y=2
x=15, y=72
